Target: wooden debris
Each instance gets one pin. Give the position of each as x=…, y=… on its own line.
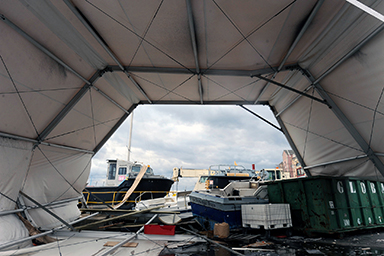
x=113, y=243
x=115, y=218
x=258, y=244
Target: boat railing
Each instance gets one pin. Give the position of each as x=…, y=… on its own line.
x=138, y=199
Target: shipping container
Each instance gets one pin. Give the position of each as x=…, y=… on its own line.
x=331, y=205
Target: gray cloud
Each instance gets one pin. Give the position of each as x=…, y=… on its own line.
x=195, y=137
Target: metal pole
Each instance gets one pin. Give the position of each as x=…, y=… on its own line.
x=127, y=239
x=130, y=137
x=34, y=207
x=5, y=245
x=48, y=211
x=262, y=118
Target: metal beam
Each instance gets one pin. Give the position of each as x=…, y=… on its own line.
x=197, y=102
x=36, y=207
x=292, y=89
x=336, y=161
x=213, y=72
x=91, y=29
x=262, y=118
x=295, y=42
x=293, y=101
x=114, y=128
x=347, y=124
x=194, y=47
x=290, y=141
x=17, y=137
x=137, y=86
x=47, y=210
x=5, y=245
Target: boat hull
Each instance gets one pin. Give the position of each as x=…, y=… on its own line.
x=211, y=209
x=148, y=188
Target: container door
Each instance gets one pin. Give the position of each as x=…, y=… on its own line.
x=340, y=214
x=373, y=191
x=366, y=207
x=352, y=189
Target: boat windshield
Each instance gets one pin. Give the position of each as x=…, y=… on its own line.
x=122, y=170
x=203, y=179
x=136, y=169
x=112, y=172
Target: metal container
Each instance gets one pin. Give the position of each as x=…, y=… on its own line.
x=331, y=205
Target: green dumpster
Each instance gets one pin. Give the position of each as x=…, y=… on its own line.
x=331, y=205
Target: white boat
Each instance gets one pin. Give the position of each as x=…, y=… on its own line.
x=219, y=205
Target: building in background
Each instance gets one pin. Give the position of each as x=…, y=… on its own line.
x=291, y=164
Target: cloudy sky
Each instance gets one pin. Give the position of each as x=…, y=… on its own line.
x=167, y=136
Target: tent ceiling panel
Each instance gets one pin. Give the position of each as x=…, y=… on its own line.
x=34, y=87
x=57, y=35
x=316, y=31
x=232, y=38
x=117, y=86
x=282, y=97
x=87, y=124
x=129, y=22
x=164, y=86
x=248, y=38
x=234, y=88
x=361, y=168
x=305, y=120
x=273, y=39
x=337, y=42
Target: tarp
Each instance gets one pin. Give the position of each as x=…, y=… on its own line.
x=72, y=71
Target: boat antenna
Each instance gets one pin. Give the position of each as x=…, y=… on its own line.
x=130, y=138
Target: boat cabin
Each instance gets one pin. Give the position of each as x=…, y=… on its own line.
x=118, y=170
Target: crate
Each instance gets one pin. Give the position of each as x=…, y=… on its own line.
x=153, y=229
x=266, y=216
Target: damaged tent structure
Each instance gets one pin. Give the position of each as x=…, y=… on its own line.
x=71, y=72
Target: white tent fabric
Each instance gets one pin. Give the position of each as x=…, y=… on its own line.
x=53, y=176
x=15, y=156
x=71, y=72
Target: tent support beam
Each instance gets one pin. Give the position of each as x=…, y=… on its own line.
x=293, y=89
x=100, y=40
x=347, y=124
x=293, y=46
x=262, y=118
x=290, y=141
x=208, y=72
x=36, y=207
x=79, y=95
x=176, y=102
x=336, y=161
x=16, y=137
x=114, y=128
x=293, y=101
x=194, y=47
